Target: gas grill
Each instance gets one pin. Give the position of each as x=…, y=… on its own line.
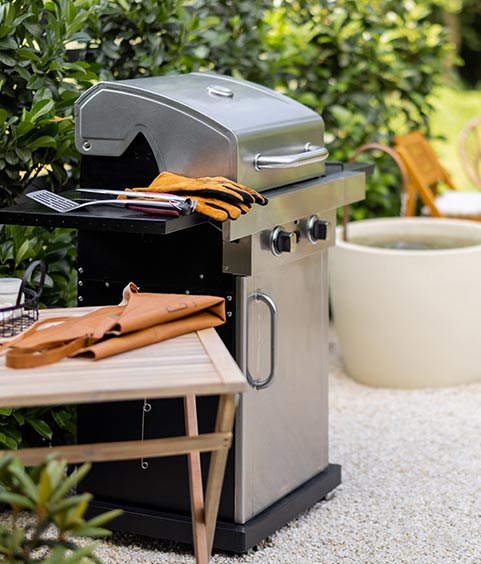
x=270, y=265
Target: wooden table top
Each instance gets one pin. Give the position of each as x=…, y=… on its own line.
x=195, y=363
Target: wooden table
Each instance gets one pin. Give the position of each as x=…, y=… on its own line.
x=191, y=365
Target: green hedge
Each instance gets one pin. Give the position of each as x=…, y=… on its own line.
x=367, y=67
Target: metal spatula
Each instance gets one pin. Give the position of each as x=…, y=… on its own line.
x=65, y=205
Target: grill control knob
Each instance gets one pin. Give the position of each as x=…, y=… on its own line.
x=283, y=241
x=317, y=229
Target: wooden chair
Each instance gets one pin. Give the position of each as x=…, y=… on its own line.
x=408, y=195
x=469, y=148
x=427, y=175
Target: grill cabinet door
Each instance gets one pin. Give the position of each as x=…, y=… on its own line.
x=282, y=437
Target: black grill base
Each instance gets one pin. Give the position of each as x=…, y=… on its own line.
x=229, y=537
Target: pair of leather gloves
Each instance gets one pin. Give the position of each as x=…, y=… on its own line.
x=217, y=197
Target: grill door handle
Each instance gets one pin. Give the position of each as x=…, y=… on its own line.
x=311, y=154
x=271, y=306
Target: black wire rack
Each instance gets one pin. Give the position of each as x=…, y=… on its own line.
x=17, y=318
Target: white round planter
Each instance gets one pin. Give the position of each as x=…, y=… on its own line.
x=408, y=318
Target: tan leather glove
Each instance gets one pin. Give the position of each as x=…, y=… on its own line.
x=217, y=188
x=218, y=209
x=218, y=198
x=231, y=185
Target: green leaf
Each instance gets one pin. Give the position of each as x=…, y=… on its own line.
x=41, y=108
x=36, y=82
x=57, y=471
x=62, y=418
x=77, y=512
x=22, y=253
x=16, y=500
x=34, y=29
x=3, y=116
x=27, y=54
x=111, y=50
x=103, y=518
x=80, y=67
x=24, y=127
x=8, y=43
x=7, y=59
x=23, y=154
x=8, y=441
x=55, y=66
x=6, y=411
x=56, y=556
x=76, y=24
x=14, y=434
x=19, y=417
x=11, y=158
x=69, y=502
x=92, y=532
x=42, y=427
x=5, y=461
x=80, y=554
x=44, y=487
x=5, y=30
x=24, y=73
x=71, y=482
x=28, y=486
x=44, y=141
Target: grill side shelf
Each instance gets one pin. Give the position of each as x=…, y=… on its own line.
x=109, y=218
x=104, y=218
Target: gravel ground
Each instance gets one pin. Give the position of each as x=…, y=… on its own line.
x=411, y=492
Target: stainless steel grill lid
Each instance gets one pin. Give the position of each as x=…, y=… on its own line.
x=204, y=124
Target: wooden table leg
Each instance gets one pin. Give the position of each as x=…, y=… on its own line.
x=204, y=516
x=196, y=488
x=215, y=479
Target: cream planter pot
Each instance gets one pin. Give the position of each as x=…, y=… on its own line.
x=408, y=318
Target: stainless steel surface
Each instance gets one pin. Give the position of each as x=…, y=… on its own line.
x=217, y=90
x=310, y=155
x=202, y=124
x=262, y=383
x=297, y=201
x=151, y=195
x=65, y=205
x=282, y=433
x=254, y=254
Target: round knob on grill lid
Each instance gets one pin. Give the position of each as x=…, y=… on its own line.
x=218, y=90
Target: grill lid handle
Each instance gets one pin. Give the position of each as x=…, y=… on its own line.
x=311, y=154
